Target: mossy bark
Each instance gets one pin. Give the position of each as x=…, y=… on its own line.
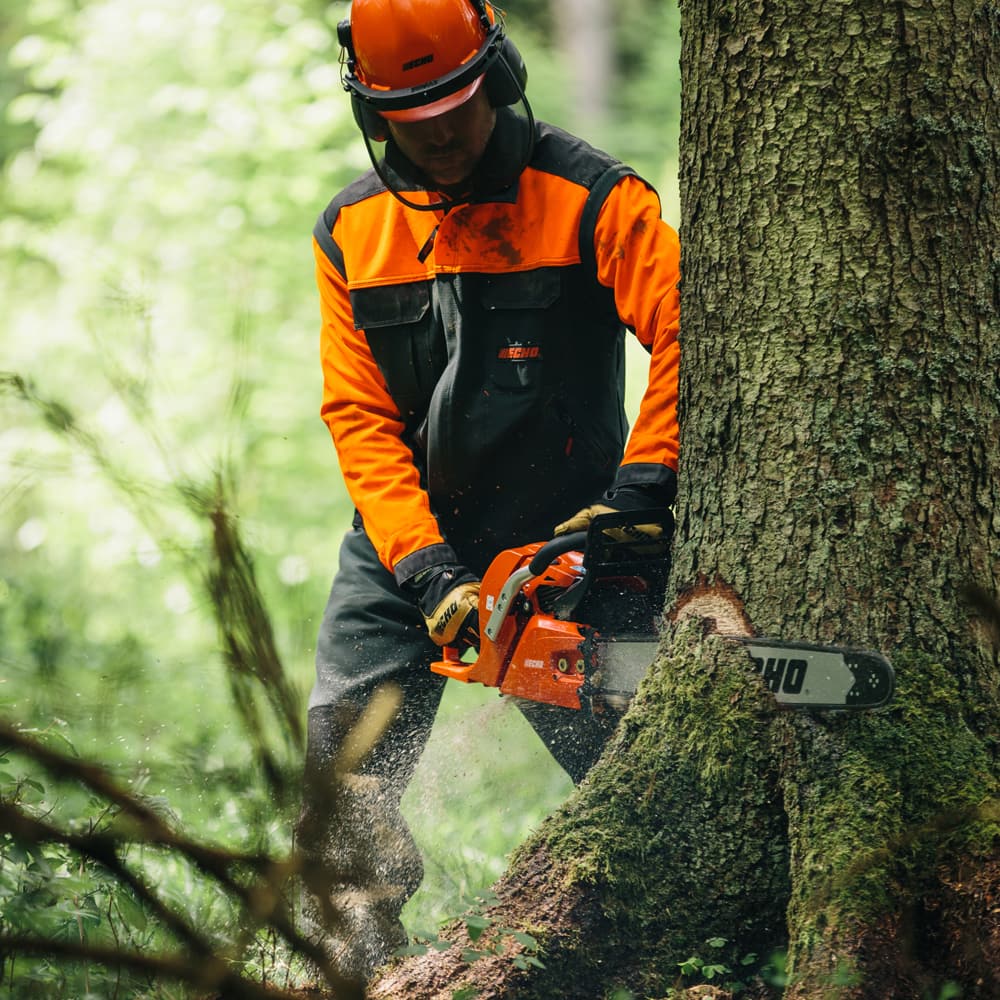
x=840, y=479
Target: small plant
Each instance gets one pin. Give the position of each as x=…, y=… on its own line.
x=774, y=970
x=486, y=936
x=697, y=966
x=712, y=970
x=950, y=991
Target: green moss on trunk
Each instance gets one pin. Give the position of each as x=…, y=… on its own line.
x=679, y=833
x=878, y=806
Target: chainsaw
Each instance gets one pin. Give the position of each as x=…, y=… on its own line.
x=574, y=622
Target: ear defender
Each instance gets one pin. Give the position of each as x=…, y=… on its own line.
x=371, y=123
x=507, y=78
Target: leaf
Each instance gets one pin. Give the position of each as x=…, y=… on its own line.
x=524, y=939
x=427, y=939
x=465, y=993
x=410, y=950
x=471, y=955
x=481, y=898
x=711, y=971
x=716, y=942
x=475, y=924
x=690, y=966
x=130, y=910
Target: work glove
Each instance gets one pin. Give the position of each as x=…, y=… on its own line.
x=448, y=597
x=621, y=500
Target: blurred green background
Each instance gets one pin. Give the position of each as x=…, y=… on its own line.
x=163, y=163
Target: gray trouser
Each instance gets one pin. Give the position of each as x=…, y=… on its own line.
x=356, y=843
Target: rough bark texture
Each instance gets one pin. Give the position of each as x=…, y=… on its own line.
x=841, y=444
x=840, y=477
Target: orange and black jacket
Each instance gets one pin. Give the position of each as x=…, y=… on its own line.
x=473, y=359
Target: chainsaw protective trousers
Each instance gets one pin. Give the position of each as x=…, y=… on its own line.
x=361, y=861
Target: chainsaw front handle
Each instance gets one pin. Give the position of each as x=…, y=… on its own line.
x=548, y=553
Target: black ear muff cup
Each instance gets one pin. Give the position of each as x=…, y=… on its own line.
x=371, y=123
x=507, y=77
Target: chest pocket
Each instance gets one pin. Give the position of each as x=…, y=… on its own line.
x=519, y=320
x=407, y=344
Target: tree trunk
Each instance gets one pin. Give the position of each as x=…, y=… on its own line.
x=839, y=482
x=842, y=437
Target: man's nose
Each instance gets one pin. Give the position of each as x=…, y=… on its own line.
x=439, y=131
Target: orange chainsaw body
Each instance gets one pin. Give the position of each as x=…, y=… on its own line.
x=533, y=655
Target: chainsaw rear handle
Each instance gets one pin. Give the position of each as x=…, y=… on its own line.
x=548, y=553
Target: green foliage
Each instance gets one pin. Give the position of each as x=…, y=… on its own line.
x=621, y=994
x=648, y=61
x=52, y=892
x=949, y=991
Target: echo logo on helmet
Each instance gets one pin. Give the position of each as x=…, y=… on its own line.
x=421, y=61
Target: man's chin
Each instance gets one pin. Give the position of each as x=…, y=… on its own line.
x=448, y=176
x=449, y=183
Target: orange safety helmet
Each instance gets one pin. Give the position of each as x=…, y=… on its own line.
x=408, y=60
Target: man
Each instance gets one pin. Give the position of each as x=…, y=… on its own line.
x=474, y=290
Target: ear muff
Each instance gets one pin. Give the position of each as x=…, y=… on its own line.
x=507, y=78
x=371, y=123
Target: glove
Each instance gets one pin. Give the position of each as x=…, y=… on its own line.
x=448, y=598
x=625, y=498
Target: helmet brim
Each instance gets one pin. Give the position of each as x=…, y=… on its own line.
x=439, y=107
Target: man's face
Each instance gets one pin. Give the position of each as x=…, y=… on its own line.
x=448, y=147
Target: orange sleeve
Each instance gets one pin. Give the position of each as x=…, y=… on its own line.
x=638, y=256
x=367, y=429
